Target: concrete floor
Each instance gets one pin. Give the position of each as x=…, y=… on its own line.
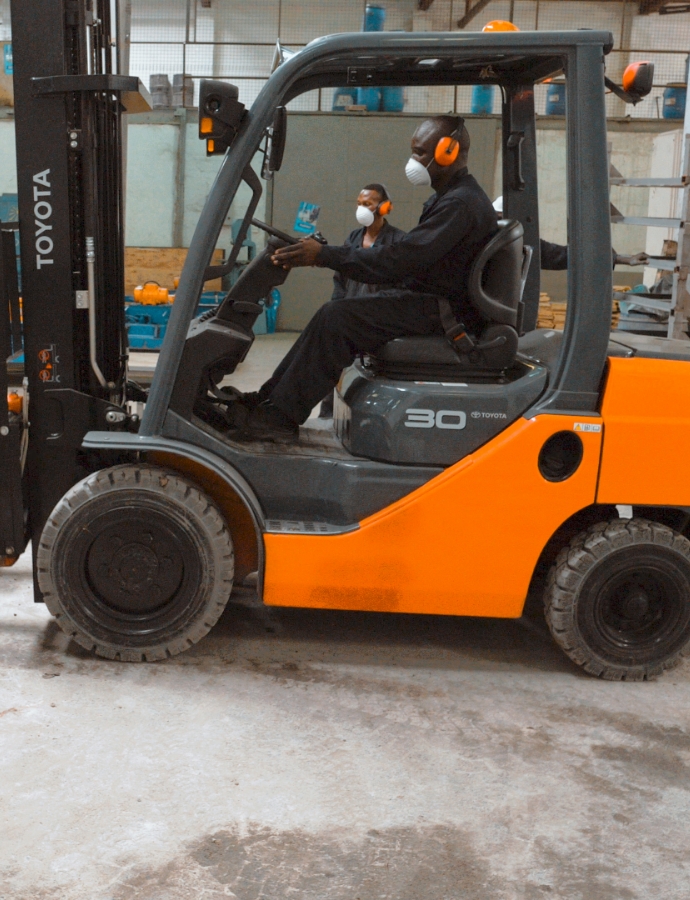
x=335, y=756
x=267, y=351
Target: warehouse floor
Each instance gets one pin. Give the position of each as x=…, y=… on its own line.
x=335, y=756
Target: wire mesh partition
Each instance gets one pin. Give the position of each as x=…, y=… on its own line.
x=234, y=40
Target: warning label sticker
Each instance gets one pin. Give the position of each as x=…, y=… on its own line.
x=587, y=426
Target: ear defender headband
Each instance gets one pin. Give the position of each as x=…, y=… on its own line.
x=448, y=148
x=386, y=205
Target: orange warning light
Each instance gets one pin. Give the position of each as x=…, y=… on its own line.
x=500, y=25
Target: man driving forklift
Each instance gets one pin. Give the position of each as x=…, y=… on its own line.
x=433, y=260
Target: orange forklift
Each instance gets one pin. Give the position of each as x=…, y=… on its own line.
x=451, y=483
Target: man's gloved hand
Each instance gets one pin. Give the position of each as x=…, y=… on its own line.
x=305, y=253
x=639, y=259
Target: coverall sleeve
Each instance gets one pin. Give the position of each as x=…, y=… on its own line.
x=339, y=281
x=553, y=256
x=446, y=225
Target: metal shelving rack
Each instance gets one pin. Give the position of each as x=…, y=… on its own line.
x=677, y=304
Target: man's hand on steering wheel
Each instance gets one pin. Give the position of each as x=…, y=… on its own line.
x=305, y=253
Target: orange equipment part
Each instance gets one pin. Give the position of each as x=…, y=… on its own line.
x=646, y=433
x=630, y=73
x=500, y=25
x=14, y=403
x=151, y=294
x=466, y=543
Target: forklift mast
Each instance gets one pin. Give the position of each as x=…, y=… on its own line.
x=68, y=114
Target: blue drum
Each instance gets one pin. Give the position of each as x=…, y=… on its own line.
x=555, y=99
x=674, y=101
x=482, y=100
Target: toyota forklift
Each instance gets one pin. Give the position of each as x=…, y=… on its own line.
x=458, y=477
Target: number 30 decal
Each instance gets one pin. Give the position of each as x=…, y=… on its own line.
x=444, y=418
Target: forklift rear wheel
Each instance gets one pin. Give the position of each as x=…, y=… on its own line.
x=618, y=599
x=135, y=563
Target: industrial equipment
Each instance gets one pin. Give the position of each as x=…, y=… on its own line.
x=450, y=485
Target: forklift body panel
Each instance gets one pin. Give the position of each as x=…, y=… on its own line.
x=646, y=418
x=457, y=546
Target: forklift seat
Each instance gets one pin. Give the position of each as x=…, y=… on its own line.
x=496, y=284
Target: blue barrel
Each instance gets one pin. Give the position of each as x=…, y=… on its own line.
x=555, y=99
x=374, y=18
x=369, y=97
x=674, y=101
x=482, y=99
x=392, y=99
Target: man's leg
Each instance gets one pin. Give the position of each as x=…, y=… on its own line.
x=337, y=333
x=267, y=387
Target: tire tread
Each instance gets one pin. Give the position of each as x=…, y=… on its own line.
x=174, y=487
x=567, y=575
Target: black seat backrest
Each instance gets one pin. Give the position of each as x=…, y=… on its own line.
x=498, y=274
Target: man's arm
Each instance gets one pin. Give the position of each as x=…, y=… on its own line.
x=449, y=222
x=339, y=288
x=554, y=257
x=638, y=259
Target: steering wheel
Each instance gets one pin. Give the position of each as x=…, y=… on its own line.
x=269, y=229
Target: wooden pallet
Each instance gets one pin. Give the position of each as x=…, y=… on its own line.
x=161, y=264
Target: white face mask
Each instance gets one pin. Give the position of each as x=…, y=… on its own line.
x=364, y=216
x=417, y=173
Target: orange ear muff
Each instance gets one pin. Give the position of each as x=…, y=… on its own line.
x=446, y=151
x=385, y=208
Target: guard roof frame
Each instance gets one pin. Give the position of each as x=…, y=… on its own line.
x=326, y=61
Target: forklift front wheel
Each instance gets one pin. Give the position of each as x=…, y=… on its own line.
x=135, y=563
x=618, y=599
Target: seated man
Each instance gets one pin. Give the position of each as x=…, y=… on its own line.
x=373, y=204
x=434, y=259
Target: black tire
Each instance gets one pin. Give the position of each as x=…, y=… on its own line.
x=617, y=599
x=135, y=563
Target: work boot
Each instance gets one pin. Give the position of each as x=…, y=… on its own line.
x=241, y=407
x=268, y=423
x=251, y=399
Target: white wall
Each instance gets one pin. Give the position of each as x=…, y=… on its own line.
x=630, y=154
x=151, y=162
x=151, y=186
x=200, y=173
x=8, y=166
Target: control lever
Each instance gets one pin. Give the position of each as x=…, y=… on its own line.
x=269, y=229
x=491, y=345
